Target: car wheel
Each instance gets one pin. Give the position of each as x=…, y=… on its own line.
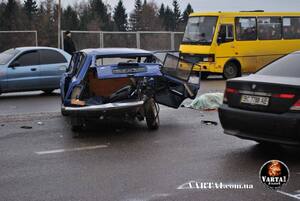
x=231, y=70
x=151, y=114
x=204, y=75
x=48, y=91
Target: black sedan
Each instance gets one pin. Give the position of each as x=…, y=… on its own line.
x=265, y=106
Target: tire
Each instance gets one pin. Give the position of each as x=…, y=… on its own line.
x=231, y=70
x=151, y=114
x=48, y=91
x=204, y=75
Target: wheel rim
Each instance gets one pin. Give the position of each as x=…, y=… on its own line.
x=230, y=71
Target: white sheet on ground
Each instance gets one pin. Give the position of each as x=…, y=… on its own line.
x=208, y=101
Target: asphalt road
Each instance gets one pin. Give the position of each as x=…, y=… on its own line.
x=121, y=161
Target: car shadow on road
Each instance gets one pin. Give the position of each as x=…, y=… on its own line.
x=115, y=129
x=264, y=152
x=275, y=151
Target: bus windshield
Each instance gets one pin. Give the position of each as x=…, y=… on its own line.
x=200, y=30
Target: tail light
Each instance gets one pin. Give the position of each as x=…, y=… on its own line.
x=284, y=96
x=296, y=106
x=75, y=96
x=229, y=90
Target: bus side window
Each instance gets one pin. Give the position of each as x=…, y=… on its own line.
x=269, y=28
x=246, y=28
x=291, y=27
x=225, y=33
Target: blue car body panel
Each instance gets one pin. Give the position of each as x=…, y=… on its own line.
x=138, y=70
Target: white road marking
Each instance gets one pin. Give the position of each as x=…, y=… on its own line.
x=70, y=150
x=297, y=196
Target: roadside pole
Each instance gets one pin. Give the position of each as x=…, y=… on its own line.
x=59, y=24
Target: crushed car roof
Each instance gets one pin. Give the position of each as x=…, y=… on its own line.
x=115, y=51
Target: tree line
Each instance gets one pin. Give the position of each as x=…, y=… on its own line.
x=90, y=15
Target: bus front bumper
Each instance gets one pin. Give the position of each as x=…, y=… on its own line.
x=207, y=67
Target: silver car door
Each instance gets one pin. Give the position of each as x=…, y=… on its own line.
x=53, y=66
x=23, y=72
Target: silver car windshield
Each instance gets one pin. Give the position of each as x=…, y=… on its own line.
x=7, y=55
x=200, y=30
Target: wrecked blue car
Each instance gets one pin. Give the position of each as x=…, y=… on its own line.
x=124, y=83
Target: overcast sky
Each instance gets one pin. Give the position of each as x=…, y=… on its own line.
x=219, y=5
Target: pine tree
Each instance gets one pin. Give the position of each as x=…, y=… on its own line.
x=176, y=15
x=120, y=17
x=70, y=19
x=149, y=19
x=10, y=14
x=47, y=24
x=2, y=8
x=30, y=8
x=161, y=16
x=136, y=16
x=145, y=3
x=100, y=14
x=85, y=16
x=186, y=13
x=161, y=12
x=169, y=19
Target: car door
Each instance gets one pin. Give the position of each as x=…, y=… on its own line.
x=23, y=72
x=176, y=84
x=53, y=66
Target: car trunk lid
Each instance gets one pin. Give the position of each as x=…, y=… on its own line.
x=123, y=70
x=263, y=93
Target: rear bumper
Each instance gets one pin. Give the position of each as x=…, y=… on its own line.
x=109, y=108
x=260, y=126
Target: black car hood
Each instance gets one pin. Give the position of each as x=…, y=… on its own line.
x=268, y=79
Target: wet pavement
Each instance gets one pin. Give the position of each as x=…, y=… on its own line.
x=123, y=161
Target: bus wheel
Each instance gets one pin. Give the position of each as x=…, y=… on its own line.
x=231, y=70
x=204, y=75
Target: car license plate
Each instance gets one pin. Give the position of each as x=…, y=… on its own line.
x=129, y=70
x=255, y=100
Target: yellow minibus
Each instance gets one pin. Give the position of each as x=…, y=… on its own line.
x=232, y=43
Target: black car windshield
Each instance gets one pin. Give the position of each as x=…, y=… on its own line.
x=7, y=55
x=288, y=66
x=200, y=30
